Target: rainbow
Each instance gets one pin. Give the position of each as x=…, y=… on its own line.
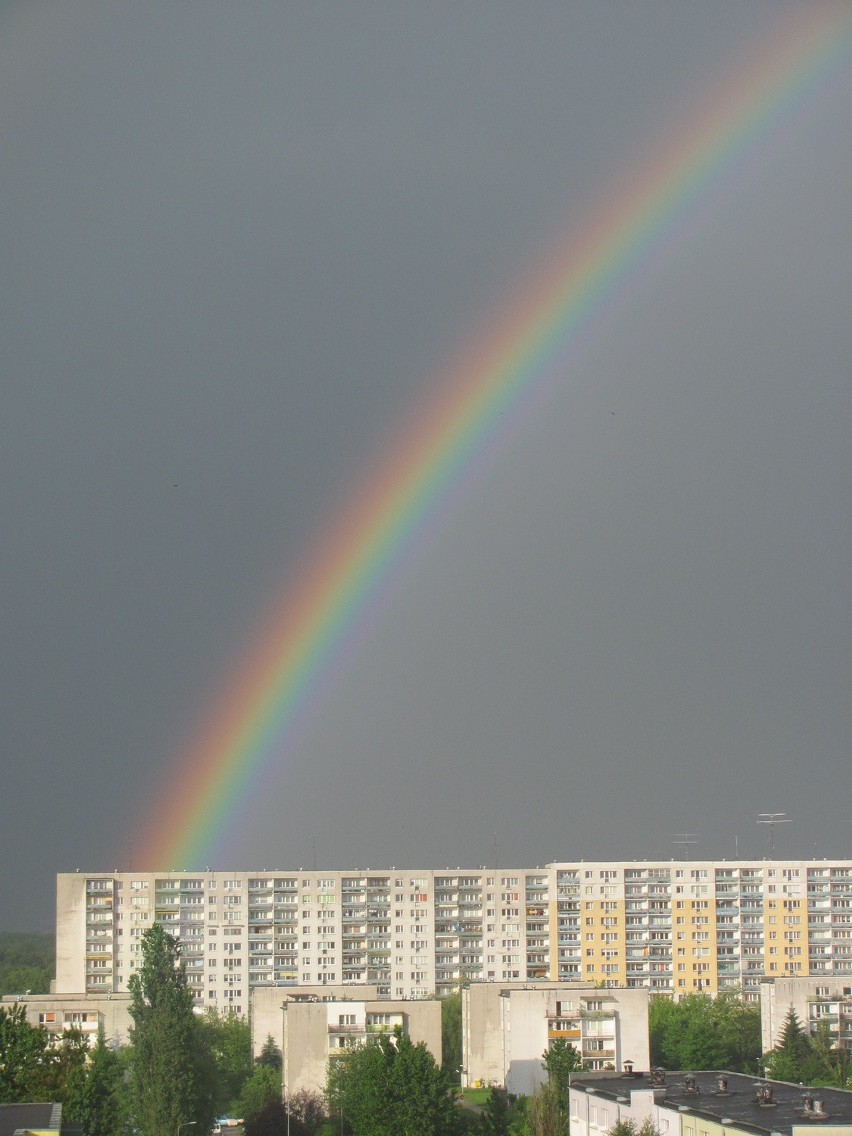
x=251, y=732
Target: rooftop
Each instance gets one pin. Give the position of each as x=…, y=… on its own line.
x=748, y=1102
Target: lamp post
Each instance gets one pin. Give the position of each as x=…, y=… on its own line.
x=186, y=1124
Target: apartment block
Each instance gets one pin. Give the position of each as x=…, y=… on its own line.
x=819, y=1003
x=312, y=1028
x=507, y=1028
x=670, y=927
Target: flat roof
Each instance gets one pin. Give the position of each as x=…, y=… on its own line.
x=739, y=1105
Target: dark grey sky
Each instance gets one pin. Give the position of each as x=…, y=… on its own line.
x=238, y=241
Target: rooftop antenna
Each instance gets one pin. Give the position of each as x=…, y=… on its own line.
x=772, y=819
x=685, y=840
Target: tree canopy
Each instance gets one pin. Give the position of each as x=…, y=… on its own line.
x=171, y=1063
x=27, y=963
x=700, y=1032
x=393, y=1088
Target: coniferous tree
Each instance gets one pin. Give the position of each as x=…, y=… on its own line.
x=494, y=1120
x=270, y=1054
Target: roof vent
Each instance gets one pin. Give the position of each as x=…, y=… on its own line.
x=763, y=1094
x=628, y=1068
x=657, y=1076
x=690, y=1085
x=722, y=1085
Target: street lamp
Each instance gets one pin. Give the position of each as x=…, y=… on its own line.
x=186, y=1124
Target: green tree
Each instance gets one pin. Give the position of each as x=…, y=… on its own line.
x=830, y=1059
x=228, y=1036
x=738, y=1025
x=25, y=1058
x=171, y=1065
x=27, y=963
x=69, y=1072
x=545, y=1112
x=271, y=1120
x=394, y=1088
x=494, y=1120
x=263, y=1086
x=451, y=1034
x=560, y=1061
x=102, y=1109
x=700, y=1032
x=270, y=1054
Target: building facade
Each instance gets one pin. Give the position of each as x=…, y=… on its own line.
x=313, y=1026
x=820, y=1004
x=670, y=927
x=87, y=1013
x=507, y=1028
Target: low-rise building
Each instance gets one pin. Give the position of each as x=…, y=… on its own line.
x=57, y=1013
x=506, y=1028
x=819, y=1003
x=705, y=1104
x=313, y=1027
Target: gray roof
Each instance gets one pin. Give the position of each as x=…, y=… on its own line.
x=15, y=1117
x=739, y=1105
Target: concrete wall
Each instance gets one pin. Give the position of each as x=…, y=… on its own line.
x=70, y=933
x=779, y=994
x=58, y=1012
x=310, y=1032
x=507, y=1028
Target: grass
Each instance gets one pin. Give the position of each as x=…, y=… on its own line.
x=476, y=1096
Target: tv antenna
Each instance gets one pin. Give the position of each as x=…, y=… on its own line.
x=772, y=819
x=685, y=840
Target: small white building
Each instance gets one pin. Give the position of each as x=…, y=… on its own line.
x=506, y=1028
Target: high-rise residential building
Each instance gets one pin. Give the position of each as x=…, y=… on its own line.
x=673, y=927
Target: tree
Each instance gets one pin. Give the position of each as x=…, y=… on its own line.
x=830, y=1059
x=270, y=1055
x=307, y=1108
x=451, y=1033
x=545, y=1113
x=25, y=1058
x=270, y=1120
x=69, y=1072
x=102, y=1108
x=27, y=962
x=394, y=1088
x=700, y=1032
x=494, y=1120
x=228, y=1036
x=263, y=1086
x=560, y=1061
x=171, y=1065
